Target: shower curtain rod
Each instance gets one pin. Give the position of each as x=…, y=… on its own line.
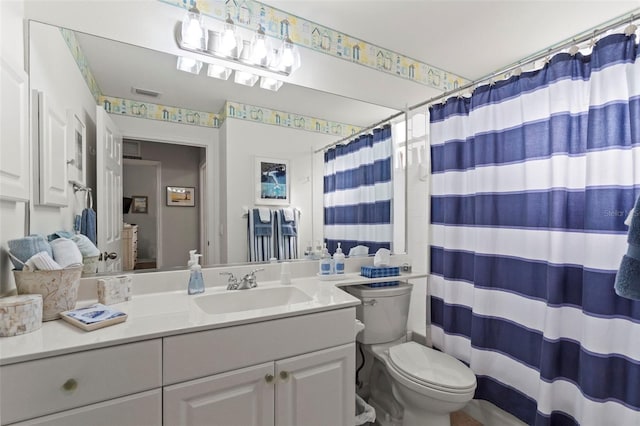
x=577, y=39
x=361, y=131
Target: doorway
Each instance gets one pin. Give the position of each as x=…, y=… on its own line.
x=166, y=231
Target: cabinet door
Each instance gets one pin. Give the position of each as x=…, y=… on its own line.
x=52, y=151
x=14, y=140
x=141, y=409
x=237, y=398
x=317, y=388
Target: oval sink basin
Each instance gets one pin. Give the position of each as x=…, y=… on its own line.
x=247, y=300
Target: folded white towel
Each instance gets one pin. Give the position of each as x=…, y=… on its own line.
x=265, y=214
x=66, y=252
x=42, y=261
x=289, y=214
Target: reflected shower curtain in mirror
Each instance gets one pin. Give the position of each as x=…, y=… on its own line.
x=532, y=179
x=357, y=193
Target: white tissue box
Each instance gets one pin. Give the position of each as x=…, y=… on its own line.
x=114, y=290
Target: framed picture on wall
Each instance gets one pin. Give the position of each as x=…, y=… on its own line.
x=76, y=148
x=272, y=180
x=139, y=204
x=181, y=196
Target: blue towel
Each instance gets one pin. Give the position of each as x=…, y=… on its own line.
x=88, y=224
x=261, y=229
x=59, y=234
x=627, y=282
x=287, y=227
x=25, y=248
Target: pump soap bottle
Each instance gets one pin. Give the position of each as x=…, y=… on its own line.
x=338, y=260
x=196, y=283
x=325, y=261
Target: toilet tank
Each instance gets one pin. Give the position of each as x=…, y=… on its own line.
x=384, y=312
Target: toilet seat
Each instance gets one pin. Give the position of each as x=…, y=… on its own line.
x=429, y=368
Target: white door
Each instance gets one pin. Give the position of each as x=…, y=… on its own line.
x=241, y=397
x=317, y=389
x=109, y=191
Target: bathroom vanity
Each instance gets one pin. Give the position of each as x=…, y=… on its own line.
x=272, y=355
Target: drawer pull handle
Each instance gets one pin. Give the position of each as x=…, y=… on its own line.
x=284, y=375
x=70, y=385
x=268, y=378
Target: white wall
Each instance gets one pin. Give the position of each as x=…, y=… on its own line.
x=244, y=141
x=53, y=71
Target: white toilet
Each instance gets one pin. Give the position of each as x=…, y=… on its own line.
x=410, y=384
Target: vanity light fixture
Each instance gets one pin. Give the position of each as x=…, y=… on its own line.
x=288, y=56
x=261, y=49
x=218, y=71
x=190, y=65
x=232, y=53
x=270, y=83
x=193, y=32
x=245, y=78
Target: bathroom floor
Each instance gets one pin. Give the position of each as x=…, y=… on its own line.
x=460, y=418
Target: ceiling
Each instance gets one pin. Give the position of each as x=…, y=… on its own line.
x=468, y=38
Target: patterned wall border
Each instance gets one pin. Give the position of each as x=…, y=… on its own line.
x=151, y=111
x=83, y=65
x=277, y=23
x=287, y=119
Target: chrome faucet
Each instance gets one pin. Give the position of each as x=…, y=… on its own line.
x=246, y=282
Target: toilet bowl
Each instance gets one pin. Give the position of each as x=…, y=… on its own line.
x=427, y=384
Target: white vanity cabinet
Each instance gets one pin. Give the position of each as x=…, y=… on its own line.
x=292, y=371
x=285, y=372
x=310, y=389
x=86, y=387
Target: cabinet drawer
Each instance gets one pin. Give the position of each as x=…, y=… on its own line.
x=140, y=409
x=194, y=355
x=35, y=388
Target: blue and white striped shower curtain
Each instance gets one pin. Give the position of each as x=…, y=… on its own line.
x=532, y=179
x=357, y=193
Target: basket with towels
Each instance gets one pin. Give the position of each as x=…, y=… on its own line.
x=51, y=268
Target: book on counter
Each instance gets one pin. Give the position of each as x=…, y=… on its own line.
x=94, y=316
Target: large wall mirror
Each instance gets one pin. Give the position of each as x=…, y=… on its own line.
x=166, y=151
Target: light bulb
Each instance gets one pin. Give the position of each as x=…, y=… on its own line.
x=228, y=40
x=259, y=49
x=287, y=56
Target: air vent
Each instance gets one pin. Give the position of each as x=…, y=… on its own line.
x=145, y=92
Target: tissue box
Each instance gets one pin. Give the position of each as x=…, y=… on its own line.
x=114, y=290
x=384, y=284
x=379, y=271
x=20, y=314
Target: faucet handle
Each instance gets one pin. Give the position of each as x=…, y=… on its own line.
x=232, y=282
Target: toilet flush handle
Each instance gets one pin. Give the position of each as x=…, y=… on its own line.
x=369, y=302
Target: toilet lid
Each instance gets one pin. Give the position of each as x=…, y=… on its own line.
x=430, y=367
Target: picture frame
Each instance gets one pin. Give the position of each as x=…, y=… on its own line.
x=272, y=181
x=181, y=196
x=76, y=149
x=139, y=204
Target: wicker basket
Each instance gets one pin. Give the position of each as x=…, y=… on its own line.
x=59, y=289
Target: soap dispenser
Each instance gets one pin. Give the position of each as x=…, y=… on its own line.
x=196, y=283
x=325, y=261
x=338, y=260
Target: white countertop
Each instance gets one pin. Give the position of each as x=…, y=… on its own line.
x=157, y=315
